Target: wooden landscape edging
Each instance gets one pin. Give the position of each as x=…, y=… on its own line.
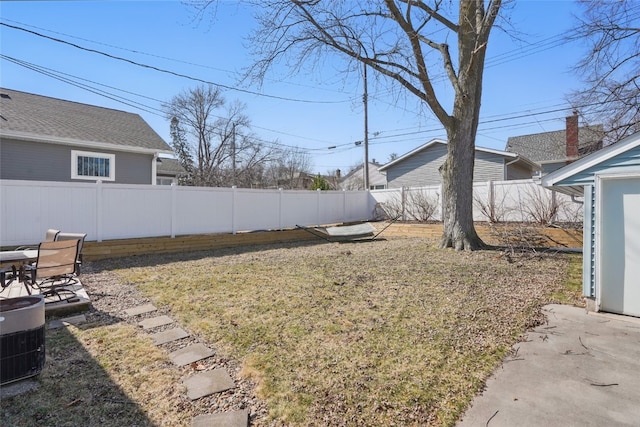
x=93, y=251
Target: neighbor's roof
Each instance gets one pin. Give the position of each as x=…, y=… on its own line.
x=552, y=146
x=506, y=154
x=30, y=117
x=167, y=166
x=555, y=178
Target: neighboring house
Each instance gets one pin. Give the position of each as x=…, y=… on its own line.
x=420, y=167
x=553, y=150
x=304, y=181
x=609, y=180
x=49, y=139
x=354, y=180
x=169, y=171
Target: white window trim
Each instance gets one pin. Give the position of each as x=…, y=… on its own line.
x=74, y=165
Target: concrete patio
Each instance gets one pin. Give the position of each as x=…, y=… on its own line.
x=579, y=369
x=79, y=304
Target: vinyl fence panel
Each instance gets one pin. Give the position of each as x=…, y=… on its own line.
x=256, y=210
x=135, y=211
x=114, y=211
x=28, y=210
x=199, y=210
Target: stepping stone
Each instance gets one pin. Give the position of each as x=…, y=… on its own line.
x=190, y=354
x=141, y=309
x=154, y=322
x=169, y=335
x=206, y=383
x=226, y=419
x=73, y=320
x=17, y=388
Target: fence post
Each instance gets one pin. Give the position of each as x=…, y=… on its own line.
x=280, y=208
x=344, y=205
x=403, y=200
x=318, y=208
x=233, y=209
x=99, y=207
x=173, y=209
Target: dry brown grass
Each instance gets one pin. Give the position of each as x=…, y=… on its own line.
x=390, y=332
x=377, y=333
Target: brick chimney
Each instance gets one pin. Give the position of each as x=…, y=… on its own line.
x=572, y=137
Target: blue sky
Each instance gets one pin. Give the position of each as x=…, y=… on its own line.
x=526, y=79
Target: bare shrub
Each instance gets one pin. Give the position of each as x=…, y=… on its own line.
x=422, y=206
x=541, y=205
x=494, y=210
x=380, y=212
x=394, y=207
x=572, y=213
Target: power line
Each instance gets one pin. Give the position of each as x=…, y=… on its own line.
x=139, y=52
x=162, y=70
x=58, y=75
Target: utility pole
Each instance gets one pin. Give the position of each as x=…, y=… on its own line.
x=366, y=131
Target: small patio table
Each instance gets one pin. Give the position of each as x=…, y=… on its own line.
x=11, y=261
x=8, y=257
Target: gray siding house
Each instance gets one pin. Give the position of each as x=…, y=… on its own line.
x=169, y=171
x=609, y=183
x=420, y=166
x=553, y=150
x=354, y=180
x=49, y=139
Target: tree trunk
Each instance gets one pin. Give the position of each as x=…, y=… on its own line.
x=457, y=170
x=457, y=192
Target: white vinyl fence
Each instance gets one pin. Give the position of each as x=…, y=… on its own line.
x=496, y=201
x=116, y=211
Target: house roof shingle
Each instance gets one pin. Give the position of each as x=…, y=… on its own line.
x=552, y=146
x=40, y=116
x=170, y=167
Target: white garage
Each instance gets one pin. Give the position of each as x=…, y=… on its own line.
x=608, y=182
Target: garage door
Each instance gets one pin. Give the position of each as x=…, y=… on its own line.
x=619, y=220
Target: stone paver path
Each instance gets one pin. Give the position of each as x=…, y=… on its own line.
x=209, y=382
x=190, y=354
x=141, y=309
x=201, y=384
x=155, y=322
x=73, y=320
x=169, y=335
x=227, y=419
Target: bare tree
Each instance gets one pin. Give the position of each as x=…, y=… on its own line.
x=611, y=65
x=288, y=166
x=216, y=150
x=400, y=40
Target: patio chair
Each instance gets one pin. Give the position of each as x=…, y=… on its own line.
x=54, y=272
x=49, y=236
x=74, y=236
